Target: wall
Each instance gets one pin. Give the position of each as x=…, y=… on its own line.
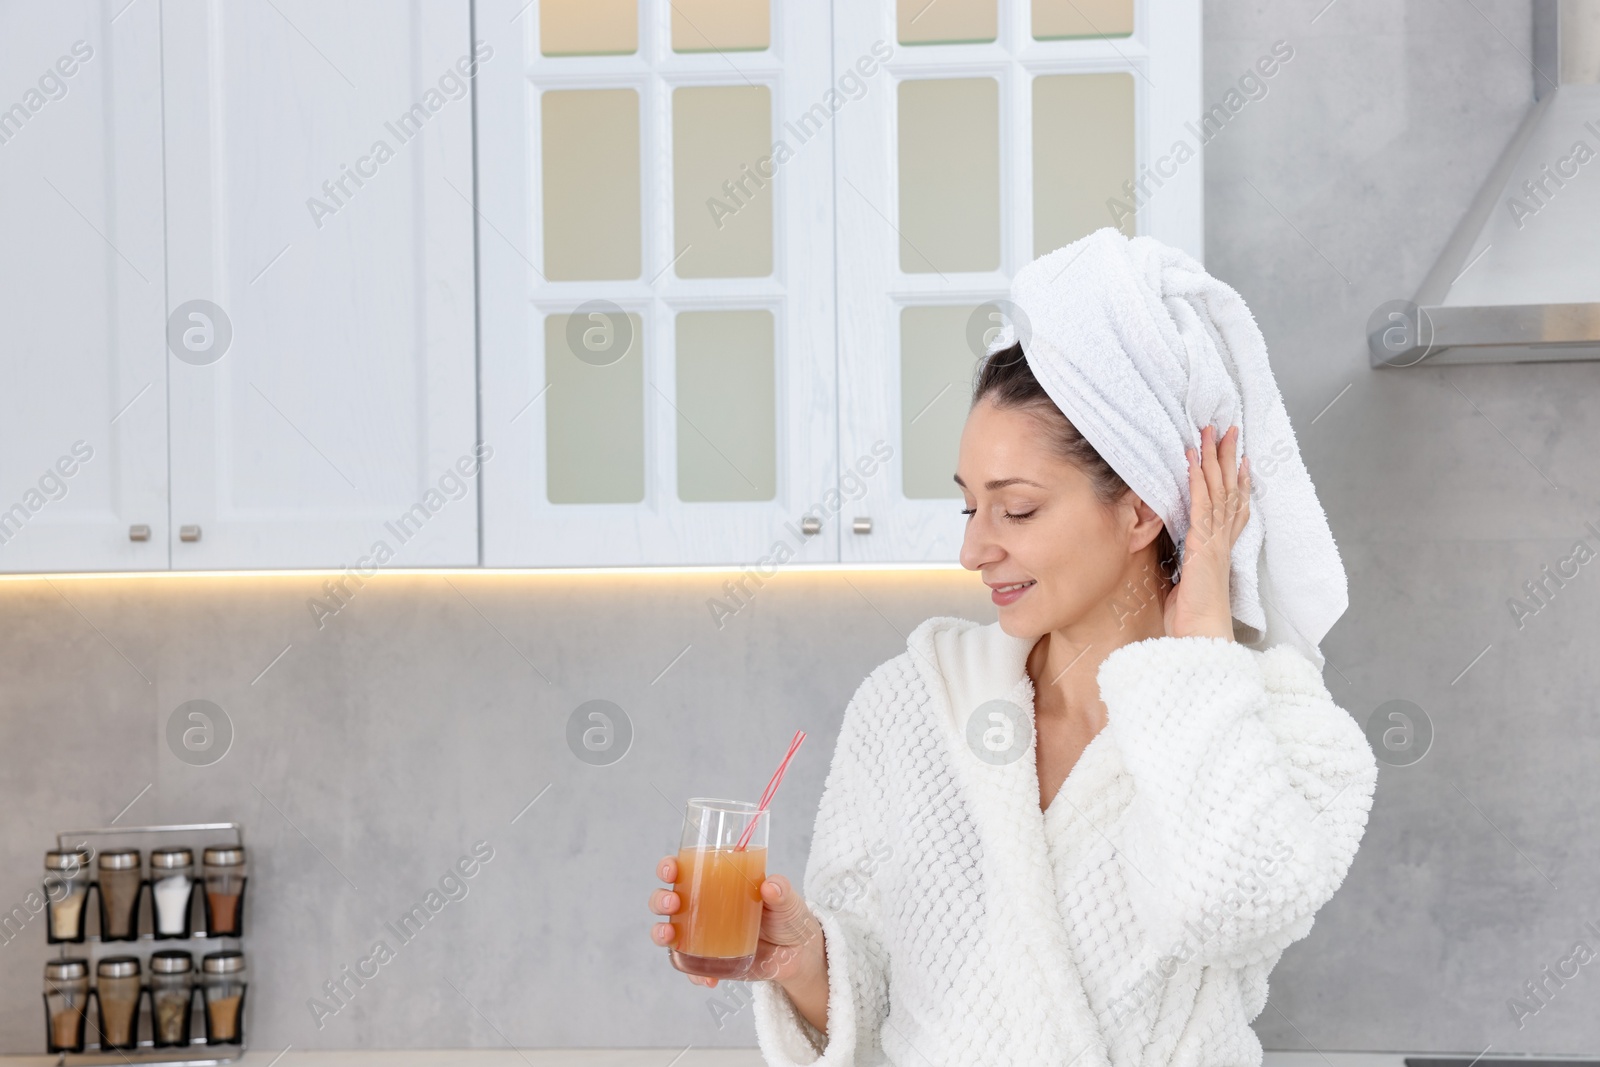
x=1447, y=488
x=429, y=713
x=421, y=719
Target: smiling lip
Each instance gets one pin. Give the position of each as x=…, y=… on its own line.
x=1008, y=592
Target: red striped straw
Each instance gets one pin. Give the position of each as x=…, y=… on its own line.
x=772, y=787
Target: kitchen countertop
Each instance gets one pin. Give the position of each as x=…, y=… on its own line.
x=652, y=1057
x=468, y=1057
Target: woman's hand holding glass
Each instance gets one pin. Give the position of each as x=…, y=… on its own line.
x=790, y=944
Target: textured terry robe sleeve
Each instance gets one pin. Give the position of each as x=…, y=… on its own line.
x=1251, y=793
x=848, y=825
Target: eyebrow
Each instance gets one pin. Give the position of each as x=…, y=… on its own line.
x=1001, y=483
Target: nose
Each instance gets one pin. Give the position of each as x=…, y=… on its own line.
x=978, y=549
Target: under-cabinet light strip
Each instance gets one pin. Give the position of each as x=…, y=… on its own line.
x=504, y=572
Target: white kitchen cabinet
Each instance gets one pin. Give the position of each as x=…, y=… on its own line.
x=944, y=191
x=956, y=143
x=83, y=397
x=656, y=282
x=318, y=192
x=731, y=264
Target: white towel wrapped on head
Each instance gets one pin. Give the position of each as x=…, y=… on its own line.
x=1139, y=347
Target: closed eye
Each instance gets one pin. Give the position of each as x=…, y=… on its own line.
x=969, y=512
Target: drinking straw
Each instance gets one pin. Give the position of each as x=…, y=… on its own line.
x=772, y=787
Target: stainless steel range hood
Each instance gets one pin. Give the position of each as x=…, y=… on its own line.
x=1519, y=280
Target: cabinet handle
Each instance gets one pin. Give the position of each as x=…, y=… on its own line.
x=139, y=533
x=188, y=533
x=810, y=525
x=862, y=525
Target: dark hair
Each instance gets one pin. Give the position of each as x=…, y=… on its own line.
x=1006, y=378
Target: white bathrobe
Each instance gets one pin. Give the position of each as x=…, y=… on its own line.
x=1133, y=922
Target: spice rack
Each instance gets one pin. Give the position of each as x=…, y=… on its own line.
x=198, y=1053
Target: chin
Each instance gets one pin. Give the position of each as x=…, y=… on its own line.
x=1013, y=625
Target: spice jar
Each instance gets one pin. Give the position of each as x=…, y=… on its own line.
x=222, y=977
x=66, y=994
x=66, y=888
x=117, y=990
x=171, y=889
x=171, y=995
x=225, y=878
x=121, y=882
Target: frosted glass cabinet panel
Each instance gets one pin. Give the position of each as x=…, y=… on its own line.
x=588, y=27
x=721, y=25
x=974, y=150
x=692, y=207
x=1059, y=19
x=594, y=436
x=727, y=417
x=1083, y=152
x=722, y=202
x=937, y=362
x=949, y=175
x=945, y=21
x=590, y=151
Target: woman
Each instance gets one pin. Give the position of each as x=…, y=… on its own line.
x=1091, y=827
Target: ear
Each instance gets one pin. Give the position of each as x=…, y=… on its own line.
x=1145, y=526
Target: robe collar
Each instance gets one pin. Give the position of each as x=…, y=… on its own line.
x=965, y=665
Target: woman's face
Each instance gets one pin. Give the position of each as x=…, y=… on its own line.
x=1035, y=519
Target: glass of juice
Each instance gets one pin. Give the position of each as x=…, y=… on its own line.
x=719, y=888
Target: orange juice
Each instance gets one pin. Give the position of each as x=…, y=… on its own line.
x=719, y=915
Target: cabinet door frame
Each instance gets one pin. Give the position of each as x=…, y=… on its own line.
x=103, y=202
x=521, y=527
x=1164, y=56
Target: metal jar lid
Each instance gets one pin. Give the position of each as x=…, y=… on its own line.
x=68, y=860
x=225, y=962
x=118, y=967
x=171, y=961
x=66, y=970
x=223, y=856
x=169, y=858
x=121, y=860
